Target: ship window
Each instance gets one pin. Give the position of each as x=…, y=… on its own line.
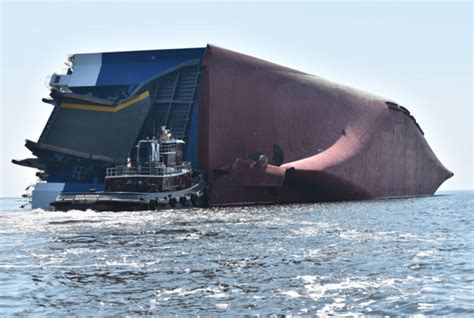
x=144, y=153
x=78, y=172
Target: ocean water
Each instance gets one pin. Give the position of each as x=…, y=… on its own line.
x=389, y=257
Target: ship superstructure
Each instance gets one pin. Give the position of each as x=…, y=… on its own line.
x=104, y=104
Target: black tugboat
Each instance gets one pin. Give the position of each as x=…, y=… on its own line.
x=157, y=178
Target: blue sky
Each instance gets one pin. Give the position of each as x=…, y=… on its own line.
x=418, y=54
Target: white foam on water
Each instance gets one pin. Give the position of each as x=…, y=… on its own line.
x=352, y=234
x=291, y=294
x=218, y=295
x=222, y=306
x=337, y=308
x=366, y=303
x=308, y=279
x=313, y=229
x=316, y=289
x=411, y=237
x=310, y=253
x=426, y=253
x=186, y=292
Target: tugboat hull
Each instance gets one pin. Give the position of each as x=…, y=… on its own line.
x=130, y=201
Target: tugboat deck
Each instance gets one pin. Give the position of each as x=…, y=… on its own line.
x=126, y=201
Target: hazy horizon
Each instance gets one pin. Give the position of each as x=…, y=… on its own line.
x=417, y=54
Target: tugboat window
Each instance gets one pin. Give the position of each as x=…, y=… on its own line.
x=144, y=153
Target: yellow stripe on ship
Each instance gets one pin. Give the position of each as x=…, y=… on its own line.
x=114, y=109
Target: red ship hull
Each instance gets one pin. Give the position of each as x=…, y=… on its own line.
x=336, y=143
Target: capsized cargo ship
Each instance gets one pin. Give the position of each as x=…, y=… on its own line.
x=255, y=132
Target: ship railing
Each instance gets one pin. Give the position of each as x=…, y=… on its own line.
x=148, y=171
x=168, y=148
